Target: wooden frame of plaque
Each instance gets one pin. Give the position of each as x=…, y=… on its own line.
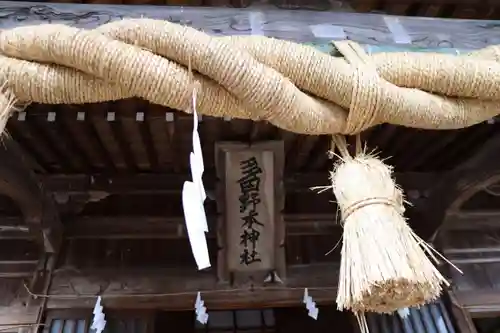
x=250, y=200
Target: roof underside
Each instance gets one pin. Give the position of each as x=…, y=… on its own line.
x=132, y=136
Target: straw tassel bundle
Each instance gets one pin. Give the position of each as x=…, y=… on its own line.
x=384, y=266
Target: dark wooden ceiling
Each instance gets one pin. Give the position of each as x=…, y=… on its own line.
x=466, y=9
x=130, y=158
x=131, y=136
x=90, y=156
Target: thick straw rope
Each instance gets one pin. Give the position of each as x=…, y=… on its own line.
x=292, y=86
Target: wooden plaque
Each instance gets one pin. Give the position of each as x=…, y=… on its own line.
x=250, y=194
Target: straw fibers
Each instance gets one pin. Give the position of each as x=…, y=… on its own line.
x=293, y=86
x=7, y=105
x=384, y=266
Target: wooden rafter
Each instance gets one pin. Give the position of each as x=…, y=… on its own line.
x=172, y=183
x=163, y=227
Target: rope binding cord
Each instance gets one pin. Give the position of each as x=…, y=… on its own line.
x=385, y=265
x=339, y=142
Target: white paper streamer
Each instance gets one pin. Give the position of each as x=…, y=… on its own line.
x=193, y=197
x=310, y=305
x=201, y=310
x=404, y=313
x=98, y=322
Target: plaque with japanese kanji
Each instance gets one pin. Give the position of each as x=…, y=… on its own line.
x=252, y=221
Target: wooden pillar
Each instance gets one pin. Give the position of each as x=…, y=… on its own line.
x=250, y=197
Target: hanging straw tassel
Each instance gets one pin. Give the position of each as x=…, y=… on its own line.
x=384, y=266
x=7, y=106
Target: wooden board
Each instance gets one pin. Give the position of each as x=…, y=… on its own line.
x=177, y=289
x=310, y=27
x=164, y=183
x=251, y=229
x=12, y=317
x=13, y=309
x=479, y=303
x=250, y=221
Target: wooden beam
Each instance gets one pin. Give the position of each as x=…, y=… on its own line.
x=473, y=220
x=18, y=258
x=14, y=227
x=301, y=26
x=13, y=316
x=176, y=289
x=461, y=315
x=166, y=227
x=172, y=183
x=479, y=303
x=150, y=227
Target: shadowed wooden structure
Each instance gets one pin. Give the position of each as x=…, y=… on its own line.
x=91, y=194
x=464, y=9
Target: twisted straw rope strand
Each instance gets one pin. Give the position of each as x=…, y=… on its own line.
x=292, y=86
